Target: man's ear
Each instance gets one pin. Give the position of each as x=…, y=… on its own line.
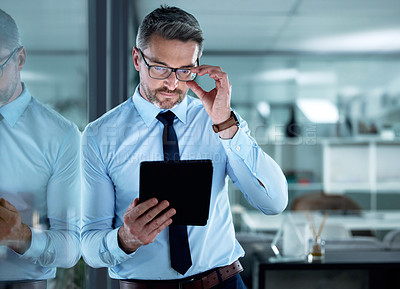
x=135, y=57
x=21, y=58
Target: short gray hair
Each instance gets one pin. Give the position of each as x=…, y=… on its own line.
x=9, y=33
x=171, y=23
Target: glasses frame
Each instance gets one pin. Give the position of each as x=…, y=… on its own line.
x=4, y=65
x=169, y=68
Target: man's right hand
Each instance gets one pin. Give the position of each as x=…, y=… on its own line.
x=142, y=223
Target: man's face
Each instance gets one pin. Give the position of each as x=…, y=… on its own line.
x=10, y=79
x=165, y=93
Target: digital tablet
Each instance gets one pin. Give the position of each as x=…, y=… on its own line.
x=185, y=184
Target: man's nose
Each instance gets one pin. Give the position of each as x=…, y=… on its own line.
x=171, y=82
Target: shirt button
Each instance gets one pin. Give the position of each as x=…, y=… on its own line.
x=237, y=148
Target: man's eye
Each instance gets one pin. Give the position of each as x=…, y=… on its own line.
x=160, y=68
x=184, y=71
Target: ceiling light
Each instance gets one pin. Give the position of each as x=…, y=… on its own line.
x=319, y=110
x=307, y=78
x=380, y=40
x=279, y=75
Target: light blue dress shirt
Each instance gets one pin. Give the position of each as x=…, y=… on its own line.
x=113, y=147
x=39, y=175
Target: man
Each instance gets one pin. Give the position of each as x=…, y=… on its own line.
x=131, y=237
x=39, y=177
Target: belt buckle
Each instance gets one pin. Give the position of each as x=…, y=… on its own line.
x=183, y=282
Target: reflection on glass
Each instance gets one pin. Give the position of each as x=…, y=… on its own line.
x=39, y=171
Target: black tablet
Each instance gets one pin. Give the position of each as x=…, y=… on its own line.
x=185, y=184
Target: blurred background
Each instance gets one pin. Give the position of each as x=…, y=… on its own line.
x=318, y=81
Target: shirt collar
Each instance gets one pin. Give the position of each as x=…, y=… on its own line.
x=12, y=111
x=149, y=111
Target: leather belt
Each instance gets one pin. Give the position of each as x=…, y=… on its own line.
x=202, y=281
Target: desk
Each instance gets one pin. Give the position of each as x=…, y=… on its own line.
x=256, y=221
x=339, y=270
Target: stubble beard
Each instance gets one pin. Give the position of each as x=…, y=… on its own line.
x=8, y=92
x=153, y=96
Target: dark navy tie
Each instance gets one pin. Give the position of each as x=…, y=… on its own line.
x=178, y=237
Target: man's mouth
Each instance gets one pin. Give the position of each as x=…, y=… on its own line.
x=168, y=93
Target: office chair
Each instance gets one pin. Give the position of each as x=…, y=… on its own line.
x=322, y=202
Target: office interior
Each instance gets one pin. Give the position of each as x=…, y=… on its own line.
x=318, y=83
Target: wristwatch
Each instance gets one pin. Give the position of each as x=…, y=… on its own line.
x=231, y=121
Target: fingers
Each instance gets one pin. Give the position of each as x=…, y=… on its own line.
x=156, y=225
x=158, y=229
x=10, y=221
x=8, y=212
x=196, y=89
x=206, y=69
x=135, y=209
x=215, y=72
x=143, y=213
x=222, y=84
x=144, y=222
x=6, y=204
x=150, y=215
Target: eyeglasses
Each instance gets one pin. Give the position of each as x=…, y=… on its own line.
x=163, y=72
x=3, y=66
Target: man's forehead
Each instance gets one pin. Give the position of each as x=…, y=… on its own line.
x=161, y=49
x=4, y=53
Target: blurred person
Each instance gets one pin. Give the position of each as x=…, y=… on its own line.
x=131, y=237
x=39, y=177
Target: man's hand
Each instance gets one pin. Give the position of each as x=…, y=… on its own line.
x=141, y=226
x=13, y=233
x=217, y=102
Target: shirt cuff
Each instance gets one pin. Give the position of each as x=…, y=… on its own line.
x=38, y=244
x=113, y=247
x=240, y=145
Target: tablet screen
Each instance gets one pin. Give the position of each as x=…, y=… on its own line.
x=185, y=184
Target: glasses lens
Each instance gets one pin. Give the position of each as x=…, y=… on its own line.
x=185, y=75
x=160, y=72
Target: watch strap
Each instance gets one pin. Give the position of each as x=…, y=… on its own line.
x=231, y=121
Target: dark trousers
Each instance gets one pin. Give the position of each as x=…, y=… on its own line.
x=41, y=284
x=234, y=282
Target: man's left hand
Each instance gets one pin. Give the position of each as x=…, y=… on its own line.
x=13, y=233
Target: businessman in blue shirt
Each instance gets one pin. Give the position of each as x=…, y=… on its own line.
x=131, y=238
x=39, y=177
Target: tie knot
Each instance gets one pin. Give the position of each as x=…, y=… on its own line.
x=167, y=118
